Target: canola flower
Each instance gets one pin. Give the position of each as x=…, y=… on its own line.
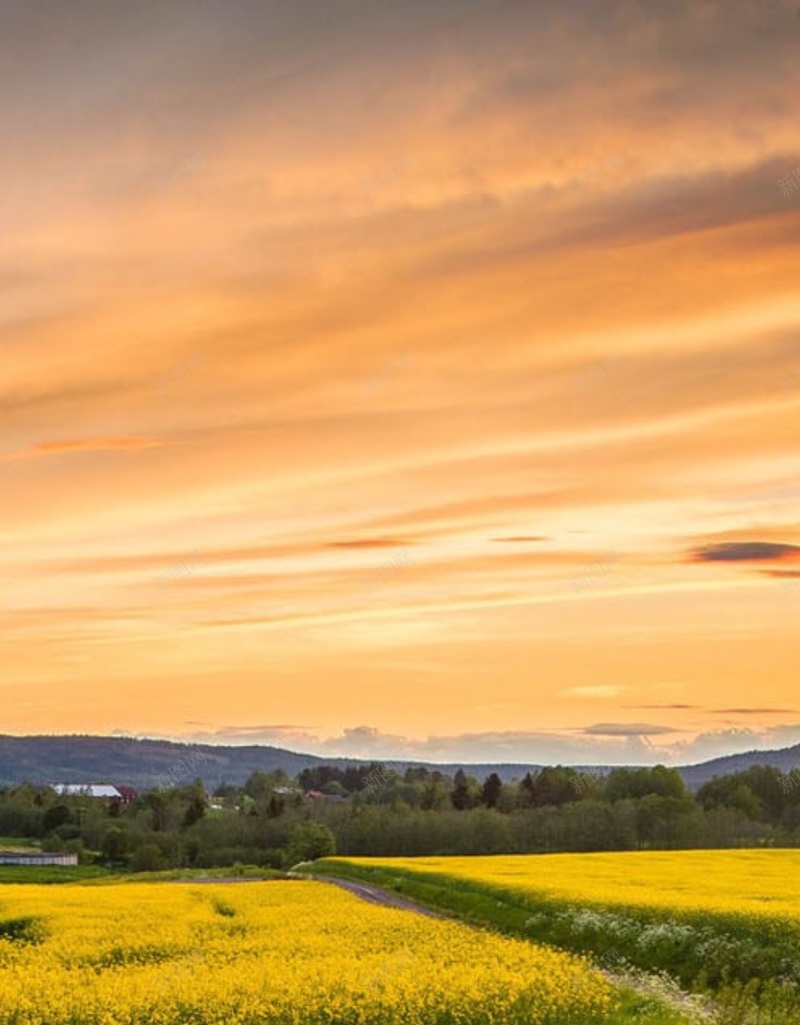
x=740, y=882
x=288, y=953
x=708, y=918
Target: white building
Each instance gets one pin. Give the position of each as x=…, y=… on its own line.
x=36, y=858
x=88, y=789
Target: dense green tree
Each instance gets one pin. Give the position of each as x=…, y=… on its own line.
x=490, y=791
x=156, y=803
x=555, y=785
x=276, y=806
x=260, y=785
x=661, y=781
x=460, y=794
x=115, y=846
x=196, y=808
x=433, y=796
x=525, y=791
x=311, y=840
x=316, y=778
x=757, y=792
x=147, y=858
x=56, y=815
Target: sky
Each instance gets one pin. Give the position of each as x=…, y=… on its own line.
x=402, y=380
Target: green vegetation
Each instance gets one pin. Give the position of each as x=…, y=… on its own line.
x=745, y=964
x=26, y=929
x=657, y=1006
x=695, y=947
x=236, y=871
x=272, y=822
x=50, y=873
x=17, y=843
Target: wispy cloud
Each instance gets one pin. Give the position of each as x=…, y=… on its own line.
x=598, y=690
x=522, y=539
x=70, y=445
x=755, y=711
x=372, y=542
x=673, y=707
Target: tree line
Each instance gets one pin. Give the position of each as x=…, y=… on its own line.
x=270, y=821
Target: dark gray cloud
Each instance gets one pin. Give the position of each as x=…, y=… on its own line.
x=640, y=729
x=744, y=551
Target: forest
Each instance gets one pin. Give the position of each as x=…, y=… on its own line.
x=275, y=821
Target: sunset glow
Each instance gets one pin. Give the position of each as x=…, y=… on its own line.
x=411, y=381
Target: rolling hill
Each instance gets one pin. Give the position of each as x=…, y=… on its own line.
x=138, y=763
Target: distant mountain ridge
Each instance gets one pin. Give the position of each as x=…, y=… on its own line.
x=784, y=758
x=140, y=763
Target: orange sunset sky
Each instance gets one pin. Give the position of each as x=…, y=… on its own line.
x=403, y=380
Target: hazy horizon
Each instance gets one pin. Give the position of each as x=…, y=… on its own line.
x=333, y=749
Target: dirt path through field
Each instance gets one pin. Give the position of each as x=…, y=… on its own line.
x=375, y=895
x=678, y=999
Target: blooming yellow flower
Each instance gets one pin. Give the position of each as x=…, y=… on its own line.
x=288, y=953
x=744, y=882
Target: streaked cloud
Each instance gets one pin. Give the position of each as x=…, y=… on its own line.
x=520, y=540
x=673, y=707
x=372, y=542
x=610, y=729
x=746, y=551
x=49, y=448
x=756, y=711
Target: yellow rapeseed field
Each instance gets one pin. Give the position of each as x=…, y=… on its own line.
x=275, y=952
x=764, y=883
